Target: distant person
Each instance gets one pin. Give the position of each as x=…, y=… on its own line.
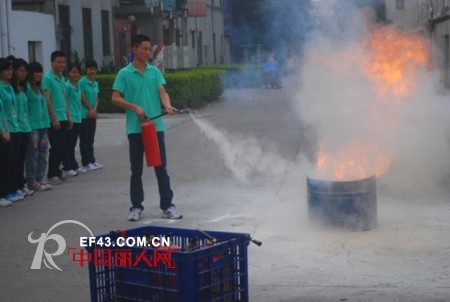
x=89, y=104
x=37, y=153
x=73, y=93
x=271, y=73
x=139, y=88
x=54, y=89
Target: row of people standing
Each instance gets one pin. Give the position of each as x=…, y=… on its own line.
x=41, y=119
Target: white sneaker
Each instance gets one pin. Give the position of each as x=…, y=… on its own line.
x=27, y=191
x=171, y=213
x=81, y=170
x=4, y=203
x=99, y=166
x=71, y=173
x=45, y=186
x=135, y=214
x=91, y=167
x=21, y=193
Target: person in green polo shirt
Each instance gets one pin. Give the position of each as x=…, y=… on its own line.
x=89, y=97
x=8, y=166
x=54, y=89
x=74, y=97
x=4, y=140
x=37, y=153
x=139, y=88
x=18, y=82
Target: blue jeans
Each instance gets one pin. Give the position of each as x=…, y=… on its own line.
x=37, y=153
x=136, y=149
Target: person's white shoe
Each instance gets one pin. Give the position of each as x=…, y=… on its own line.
x=171, y=213
x=71, y=173
x=28, y=192
x=81, y=170
x=99, y=166
x=135, y=214
x=4, y=203
x=91, y=167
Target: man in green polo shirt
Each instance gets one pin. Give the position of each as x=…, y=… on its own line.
x=139, y=88
x=54, y=89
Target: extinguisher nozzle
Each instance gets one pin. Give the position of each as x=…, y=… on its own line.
x=183, y=111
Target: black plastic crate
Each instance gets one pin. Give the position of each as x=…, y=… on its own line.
x=193, y=269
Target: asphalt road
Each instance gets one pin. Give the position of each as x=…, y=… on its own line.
x=241, y=168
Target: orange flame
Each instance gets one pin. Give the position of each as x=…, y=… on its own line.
x=391, y=61
x=394, y=60
x=356, y=161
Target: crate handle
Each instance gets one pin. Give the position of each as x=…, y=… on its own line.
x=215, y=240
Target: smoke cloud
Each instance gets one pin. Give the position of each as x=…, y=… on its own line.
x=345, y=103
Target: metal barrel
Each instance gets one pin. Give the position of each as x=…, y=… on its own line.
x=343, y=204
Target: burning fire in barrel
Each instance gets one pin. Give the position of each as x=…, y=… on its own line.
x=342, y=192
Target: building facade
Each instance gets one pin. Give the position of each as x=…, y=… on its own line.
x=25, y=34
x=80, y=28
x=433, y=18
x=402, y=13
x=192, y=32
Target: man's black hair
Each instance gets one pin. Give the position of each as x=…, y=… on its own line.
x=56, y=54
x=138, y=39
x=72, y=65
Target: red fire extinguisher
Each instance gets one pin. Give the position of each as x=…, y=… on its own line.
x=150, y=139
x=151, y=146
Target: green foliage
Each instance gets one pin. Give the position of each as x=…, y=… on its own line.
x=105, y=83
x=77, y=59
x=107, y=68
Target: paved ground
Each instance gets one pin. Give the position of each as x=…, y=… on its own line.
x=241, y=168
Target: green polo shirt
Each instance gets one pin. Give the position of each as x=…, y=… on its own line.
x=8, y=99
x=142, y=90
x=74, y=97
x=22, y=112
x=3, y=121
x=37, y=108
x=91, y=91
x=57, y=89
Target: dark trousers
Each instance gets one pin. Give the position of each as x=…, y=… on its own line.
x=5, y=154
x=22, y=152
x=136, y=149
x=9, y=165
x=58, y=142
x=87, y=134
x=68, y=160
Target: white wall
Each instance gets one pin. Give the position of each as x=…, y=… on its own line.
x=30, y=26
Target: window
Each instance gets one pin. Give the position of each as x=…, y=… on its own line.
x=105, y=33
x=87, y=34
x=34, y=51
x=400, y=4
x=193, y=38
x=64, y=30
